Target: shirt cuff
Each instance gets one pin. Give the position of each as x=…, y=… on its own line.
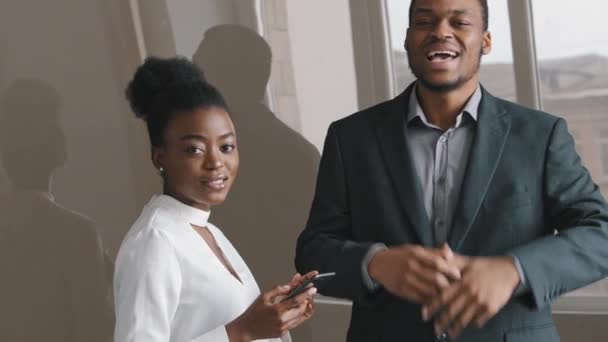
x=523, y=284
x=369, y=283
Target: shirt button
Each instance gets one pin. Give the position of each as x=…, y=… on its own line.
x=442, y=138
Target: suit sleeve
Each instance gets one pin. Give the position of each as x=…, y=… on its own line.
x=577, y=254
x=327, y=243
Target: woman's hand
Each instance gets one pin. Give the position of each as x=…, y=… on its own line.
x=310, y=302
x=269, y=317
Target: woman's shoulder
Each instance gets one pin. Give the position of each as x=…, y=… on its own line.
x=149, y=235
x=153, y=219
x=146, y=242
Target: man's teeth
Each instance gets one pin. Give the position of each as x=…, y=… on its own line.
x=446, y=54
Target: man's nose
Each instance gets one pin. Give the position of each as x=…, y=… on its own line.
x=442, y=30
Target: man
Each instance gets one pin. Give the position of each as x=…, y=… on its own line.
x=448, y=213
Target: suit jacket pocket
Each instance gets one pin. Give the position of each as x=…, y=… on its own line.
x=541, y=333
x=507, y=202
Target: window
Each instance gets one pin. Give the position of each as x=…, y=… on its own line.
x=602, y=143
x=573, y=79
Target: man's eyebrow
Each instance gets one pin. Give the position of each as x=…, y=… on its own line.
x=425, y=10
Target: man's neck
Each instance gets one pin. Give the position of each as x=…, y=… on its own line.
x=442, y=108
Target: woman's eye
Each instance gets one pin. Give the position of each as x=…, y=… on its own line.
x=194, y=150
x=227, y=148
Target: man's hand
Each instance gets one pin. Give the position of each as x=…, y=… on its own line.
x=486, y=286
x=414, y=273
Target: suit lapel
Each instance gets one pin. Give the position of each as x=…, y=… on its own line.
x=492, y=130
x=391, y=136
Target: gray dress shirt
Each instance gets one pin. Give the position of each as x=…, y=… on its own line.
x=440, y=158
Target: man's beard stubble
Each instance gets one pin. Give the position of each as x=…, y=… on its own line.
x=448, y=86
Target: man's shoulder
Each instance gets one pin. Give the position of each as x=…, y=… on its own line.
x=521, y=113
x=365, y=118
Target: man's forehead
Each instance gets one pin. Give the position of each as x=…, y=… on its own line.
x=447, y=6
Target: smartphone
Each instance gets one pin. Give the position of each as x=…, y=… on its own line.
x=316, y=281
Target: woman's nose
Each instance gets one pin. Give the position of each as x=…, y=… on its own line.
x=213, y=161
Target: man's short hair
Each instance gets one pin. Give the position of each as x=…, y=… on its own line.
x=484, y=12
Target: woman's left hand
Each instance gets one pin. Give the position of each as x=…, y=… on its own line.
x=299, y=279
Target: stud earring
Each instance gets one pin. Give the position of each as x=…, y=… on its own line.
x=161, y=170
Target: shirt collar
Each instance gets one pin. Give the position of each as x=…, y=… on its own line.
x=471, y=108
x=190, y=214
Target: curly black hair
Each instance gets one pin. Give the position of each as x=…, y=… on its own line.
x=163, y=87
x=485, y=13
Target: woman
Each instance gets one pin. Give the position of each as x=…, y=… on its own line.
x=177, y=276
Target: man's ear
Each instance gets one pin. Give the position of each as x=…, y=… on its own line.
x=405, y=41
x=486, y=44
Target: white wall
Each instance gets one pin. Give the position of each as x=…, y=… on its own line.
x=191, y=18
x=323, y=63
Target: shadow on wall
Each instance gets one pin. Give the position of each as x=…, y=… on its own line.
x=269, y=204
x=4, y=184
x=55, y=276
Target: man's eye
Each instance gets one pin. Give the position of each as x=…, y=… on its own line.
x=423, y=22
x=462, y=23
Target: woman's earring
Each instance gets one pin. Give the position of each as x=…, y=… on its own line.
x=161, y=170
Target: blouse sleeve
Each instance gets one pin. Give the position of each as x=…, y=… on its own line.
x=218, y=334
x=147, y=287
x=147, y=290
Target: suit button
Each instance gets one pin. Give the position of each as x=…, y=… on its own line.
x=442, y=338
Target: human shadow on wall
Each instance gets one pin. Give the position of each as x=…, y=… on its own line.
x=269, y=204
x=55, y=281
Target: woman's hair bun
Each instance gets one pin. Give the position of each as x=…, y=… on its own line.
x=155, y=79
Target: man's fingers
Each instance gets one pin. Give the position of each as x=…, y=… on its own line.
x=440, y=301
x=452, y=311
x=436, y=262
x=412, y=294
x=463, y=320
x=482, y=318
x=447, y=252
x=435, y=279
x=461, y=261
x=414, y=281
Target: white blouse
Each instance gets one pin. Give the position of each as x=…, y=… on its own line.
x=170, y=286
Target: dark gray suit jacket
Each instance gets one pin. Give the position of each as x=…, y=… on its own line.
x=523, y=182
